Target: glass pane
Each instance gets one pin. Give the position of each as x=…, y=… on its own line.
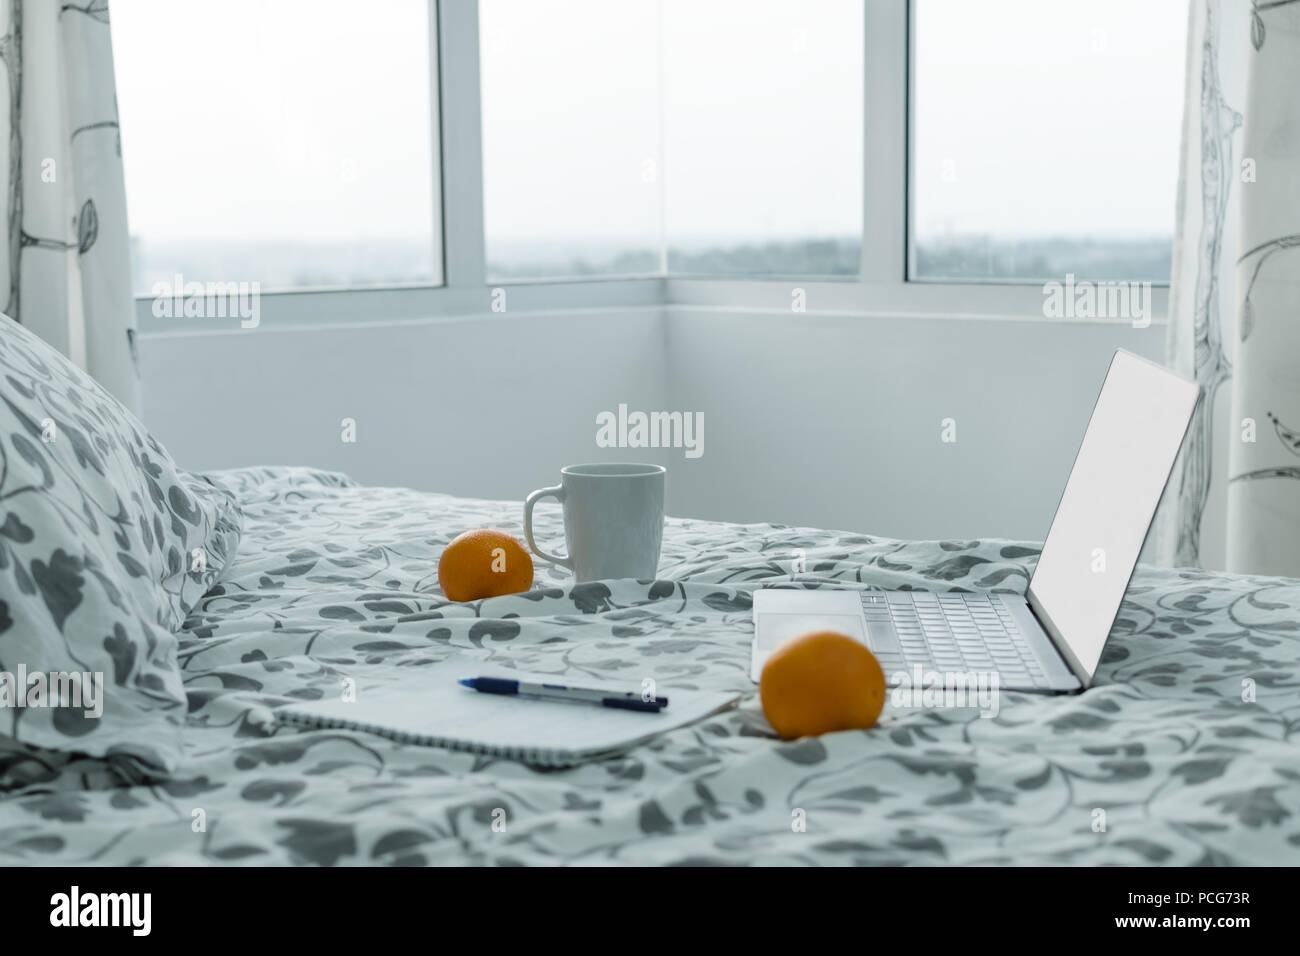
x=570, y=137
x=1047, y=138
x=710, y=136
x=284, y=142
x=763, y=136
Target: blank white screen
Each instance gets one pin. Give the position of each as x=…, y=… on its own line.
x=1109, y=501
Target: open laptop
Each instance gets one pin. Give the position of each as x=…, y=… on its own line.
x=1051, y=638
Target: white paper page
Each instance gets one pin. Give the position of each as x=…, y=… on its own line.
x=430, y=703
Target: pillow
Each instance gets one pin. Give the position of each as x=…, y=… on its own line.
x=105, y=546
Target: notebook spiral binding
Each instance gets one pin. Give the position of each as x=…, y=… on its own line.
x=542, y=757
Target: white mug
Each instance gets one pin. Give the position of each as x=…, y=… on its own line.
x=613, y=520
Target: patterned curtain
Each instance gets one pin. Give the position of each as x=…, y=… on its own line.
x=1264, y=471
x=66, y=263
x=1234, y=501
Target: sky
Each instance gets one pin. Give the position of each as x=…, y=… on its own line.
x=285, y=119
x=290, y=119
x=1065, y=112
x=749, y=124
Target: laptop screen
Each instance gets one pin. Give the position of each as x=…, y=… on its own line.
x=1109, y=501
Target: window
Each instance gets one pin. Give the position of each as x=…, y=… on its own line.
x=715, y=137
x=948, y=153
x=570, y=137
x=287, y=143
x=1046, y=138
x=763, y=136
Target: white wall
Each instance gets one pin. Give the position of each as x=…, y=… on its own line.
x=834, y=420
x=487, y=406
x=823, y=420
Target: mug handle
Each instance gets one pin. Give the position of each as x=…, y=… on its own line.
x=556, y=492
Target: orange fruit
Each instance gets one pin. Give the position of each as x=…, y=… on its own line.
x=820, y=683
x=481, y=564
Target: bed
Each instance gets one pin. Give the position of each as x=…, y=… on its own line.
x=1183, y=753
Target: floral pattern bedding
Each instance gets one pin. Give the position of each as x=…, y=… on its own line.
x=1184, y=752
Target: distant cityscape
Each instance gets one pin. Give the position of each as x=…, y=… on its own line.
x=284, y=264
x=982, y=259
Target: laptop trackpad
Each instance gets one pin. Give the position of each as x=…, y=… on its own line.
x=775, y=629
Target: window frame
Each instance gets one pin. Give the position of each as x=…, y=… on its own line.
x=883, y=286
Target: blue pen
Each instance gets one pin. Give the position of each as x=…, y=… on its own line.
x=621, y=700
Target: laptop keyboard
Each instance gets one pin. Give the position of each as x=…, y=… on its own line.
x=949, y=632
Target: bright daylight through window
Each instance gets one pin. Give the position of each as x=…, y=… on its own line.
x=1046, y=138
x=714, y=137
x=296, y=152
x=643, y=137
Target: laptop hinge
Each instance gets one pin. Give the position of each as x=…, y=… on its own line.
x=1058, y=641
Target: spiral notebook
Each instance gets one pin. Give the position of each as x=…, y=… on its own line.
x=428, y=707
